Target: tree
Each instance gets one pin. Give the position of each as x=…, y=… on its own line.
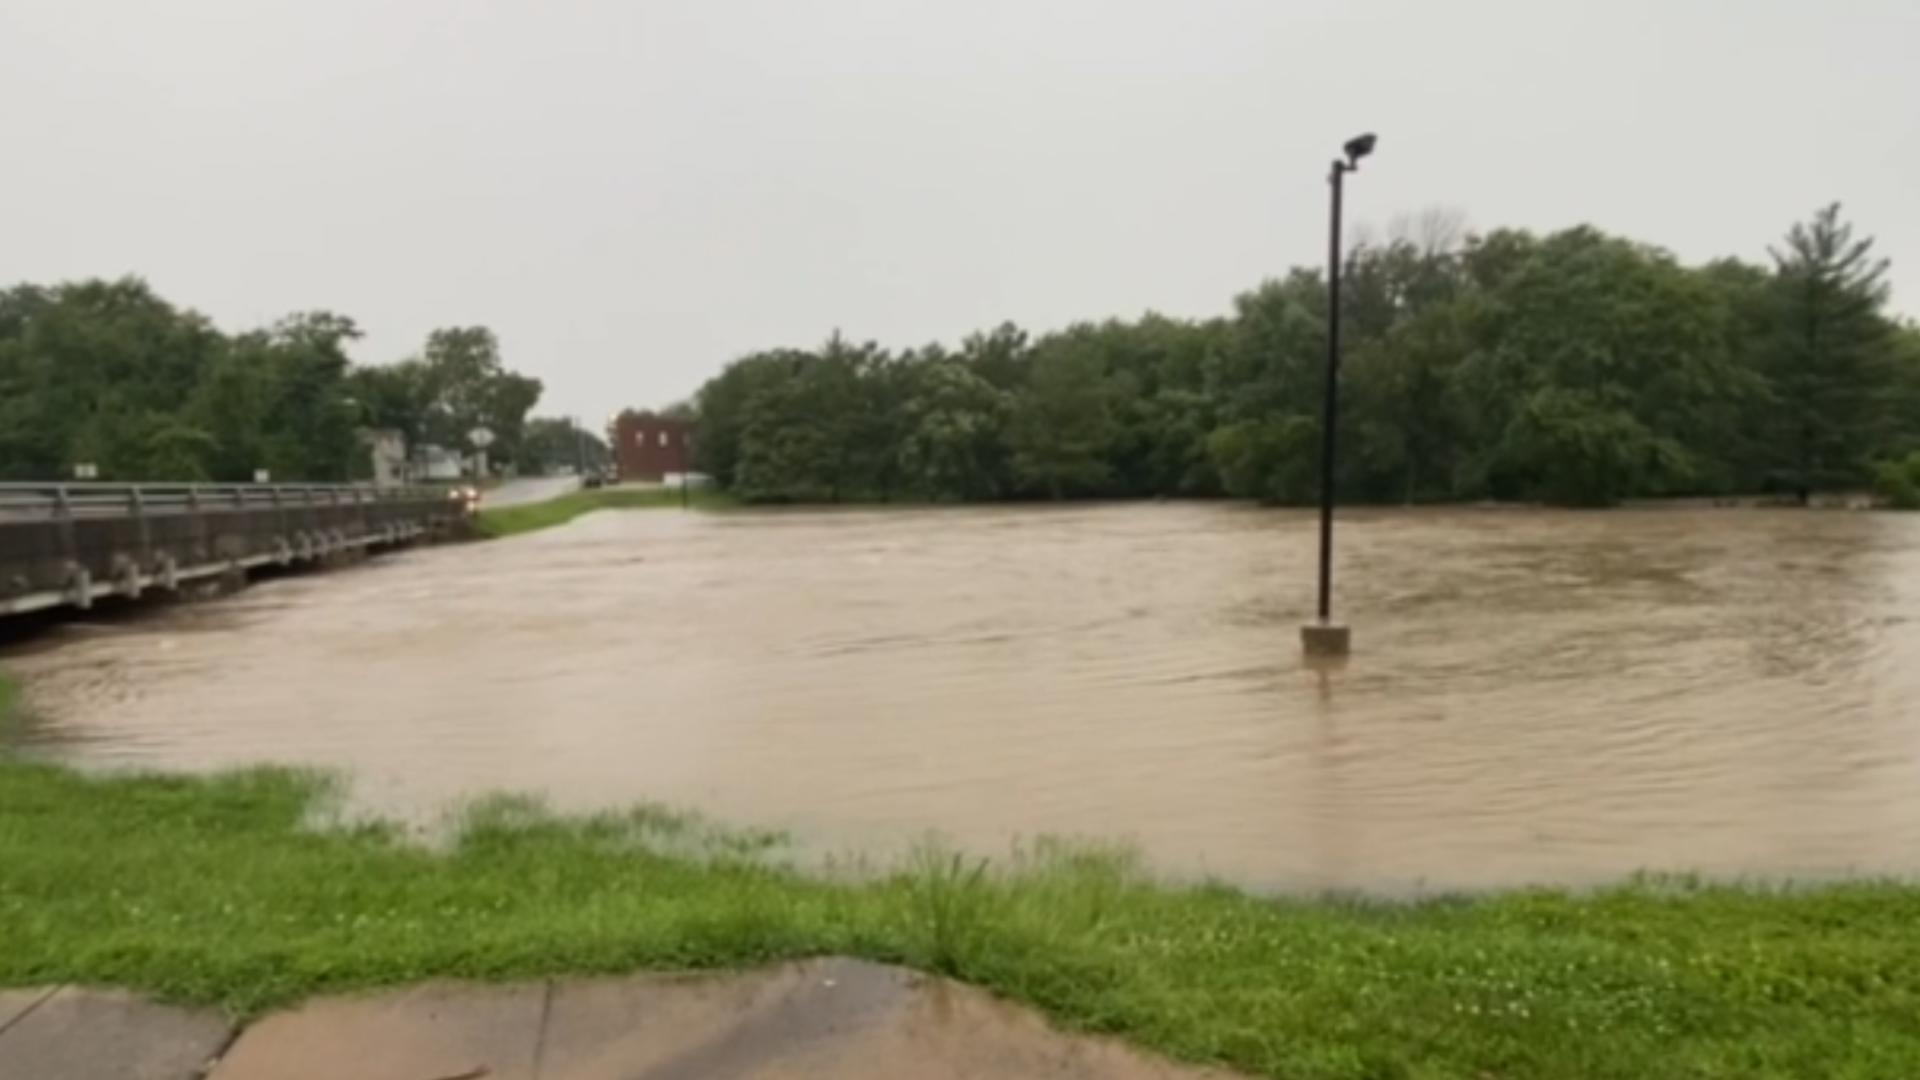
x=31, y=441
x=231, y=405
x=1576, y=367
x=1582, y=448
x=556, y=444
x=1488, y=261
x=868, y=389
x=108, y=372
x=1407, y=431
x=1270, y=460
x=726, y=403
x=95, y=371
x=805, y=433
x=999, y=356
x=1594, y=337
x=1830, y=352
x=1156, y=377
x=311, y=417
x=504, y=406
x=457, y=384
x=397, y=397
x=790, y=450
x=1265, y=380
x=1063, y=425
x=954, y=445
x=1900, y=400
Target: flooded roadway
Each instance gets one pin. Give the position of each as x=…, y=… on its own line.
x=1535, y=696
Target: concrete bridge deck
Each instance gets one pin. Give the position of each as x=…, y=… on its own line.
x=71, y=544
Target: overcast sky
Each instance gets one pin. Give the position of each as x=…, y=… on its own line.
x=633, y=193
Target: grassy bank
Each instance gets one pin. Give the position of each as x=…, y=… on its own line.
x=531, y=517
x=216, y=890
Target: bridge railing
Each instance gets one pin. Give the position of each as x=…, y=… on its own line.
x=92, y=499
x=66, y=543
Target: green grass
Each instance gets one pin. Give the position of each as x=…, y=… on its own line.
x=222, y=890
x=531, y=517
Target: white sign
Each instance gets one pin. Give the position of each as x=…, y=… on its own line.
x=480, y=437
x=262, y=476
x=86, y=470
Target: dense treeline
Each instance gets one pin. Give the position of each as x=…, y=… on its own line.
x=559, y=444
x=108, y=373
x=1575, y=368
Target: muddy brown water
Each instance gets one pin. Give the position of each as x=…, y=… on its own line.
x=1535, y=696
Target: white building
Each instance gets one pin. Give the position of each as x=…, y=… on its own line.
x=387, y=447
x=432, y=462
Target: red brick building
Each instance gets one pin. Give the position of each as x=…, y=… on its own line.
x=651, y=447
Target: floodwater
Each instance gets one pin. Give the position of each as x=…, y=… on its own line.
x=1535, y=696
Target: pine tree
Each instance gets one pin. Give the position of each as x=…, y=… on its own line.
x=1829, y=352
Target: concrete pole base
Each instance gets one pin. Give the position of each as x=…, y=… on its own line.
x=1326, y=639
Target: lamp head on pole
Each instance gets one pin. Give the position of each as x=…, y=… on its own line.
x=1358, y=147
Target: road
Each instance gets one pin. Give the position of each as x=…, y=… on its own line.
x=529, y=490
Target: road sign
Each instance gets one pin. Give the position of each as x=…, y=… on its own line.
x=480, y=437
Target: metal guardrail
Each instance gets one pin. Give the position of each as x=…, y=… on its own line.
x=64, y=543
x=92, y=499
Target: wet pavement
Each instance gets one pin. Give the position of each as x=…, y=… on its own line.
x=532, y=489
x=830, y=1019
x=70, y=1033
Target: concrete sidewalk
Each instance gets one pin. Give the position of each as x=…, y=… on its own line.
x=829, y=1018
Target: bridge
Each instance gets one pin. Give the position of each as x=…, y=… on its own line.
x=71, y=544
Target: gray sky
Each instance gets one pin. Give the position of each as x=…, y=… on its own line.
x=633, y=193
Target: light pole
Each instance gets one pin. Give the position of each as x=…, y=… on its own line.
x=1324, y=637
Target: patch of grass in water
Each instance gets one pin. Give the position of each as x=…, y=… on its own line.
x=218, y=889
